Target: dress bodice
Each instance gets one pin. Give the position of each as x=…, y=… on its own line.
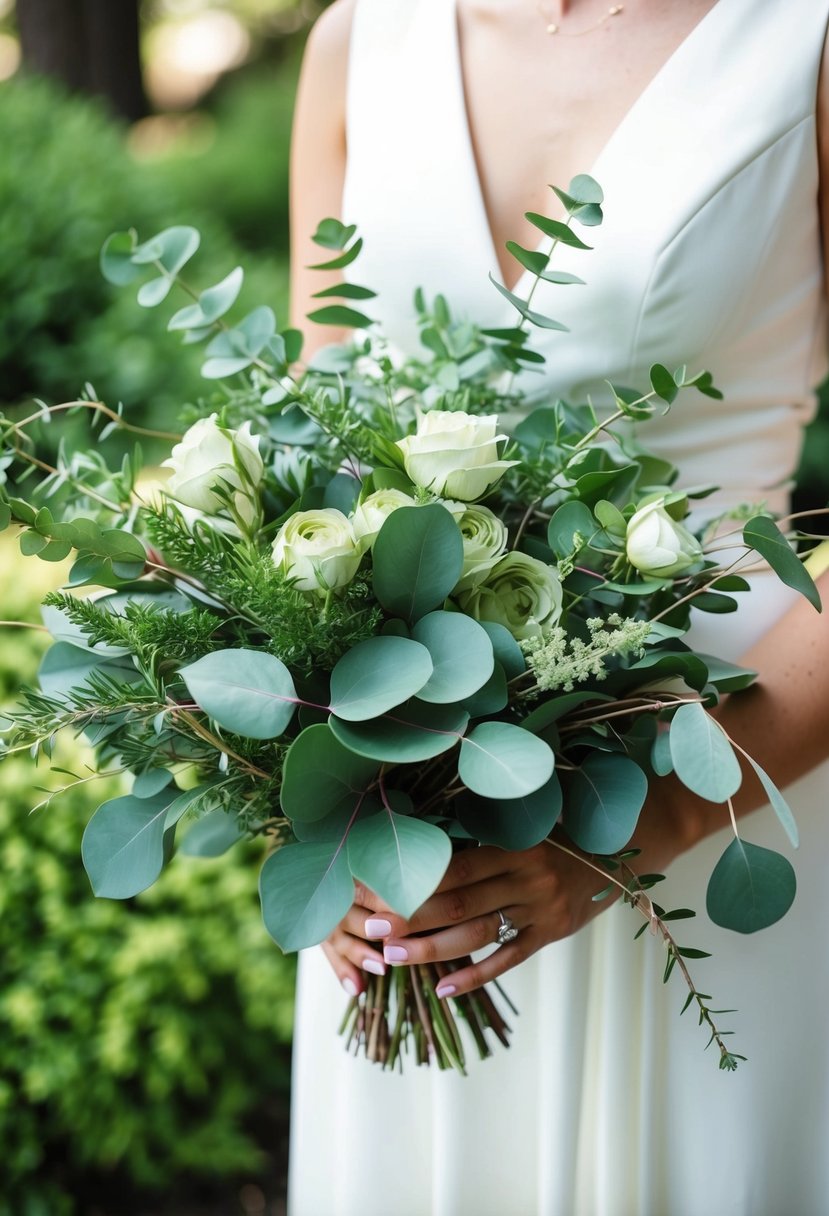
x=709, y=254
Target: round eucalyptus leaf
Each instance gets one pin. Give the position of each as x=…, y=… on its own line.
x=570, y=519
x=212, y=835
x=400, y=858
x=123, y=844
x=408, y=734
x=513, y=823
x=418, y=559
x=703, y=758
x=499, y=760
x=461, y=652
x=750, y=888
x=376, y=675
x=490, y=699
x=604, y=798
x=248, y=692
x=507, y=651
x=305, y=890
x=321, y=775
x=339, y=823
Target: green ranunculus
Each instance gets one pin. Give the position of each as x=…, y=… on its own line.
x=520, y=592
x=317, y=550
x=484, y=543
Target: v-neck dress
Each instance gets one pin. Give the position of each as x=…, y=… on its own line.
x=606, y=1104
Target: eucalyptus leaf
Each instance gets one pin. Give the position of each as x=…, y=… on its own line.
x=571, y=519
x=248, y=692
x=321, y=775
x=505, y=648
x=603, y=802
x=212, y=835
x=418, y=559
x=703, y=759
x=378, y=674
x=763, y=535
x=750, y=888
x=408, y=734
x=400, y=858
x=305, y=890
x=461, y=653
x=513, y=823
x=499, y=760
x=778, y=803
x=123, y=844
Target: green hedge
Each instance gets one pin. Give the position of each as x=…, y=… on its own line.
x=66, y=182
x=140, y=1042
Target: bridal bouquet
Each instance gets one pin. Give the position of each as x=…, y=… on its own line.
x=359, y=618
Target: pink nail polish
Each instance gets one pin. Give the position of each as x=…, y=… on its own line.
x=444, y=990
x=350, y=986
x=395, y=954
x=374, y=965
x=377, y=928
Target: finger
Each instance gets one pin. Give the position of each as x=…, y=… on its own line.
x=467, y=979
x=453, y=907
x=348, y=975
x=473, y=865
x=358, y=952
x=355, y=919
x=452, y=943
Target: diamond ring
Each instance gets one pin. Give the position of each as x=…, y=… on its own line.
x=507, y=931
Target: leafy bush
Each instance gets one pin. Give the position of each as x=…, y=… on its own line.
x=141, y=1041
x=67, y=182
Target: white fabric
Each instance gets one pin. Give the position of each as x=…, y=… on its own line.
x=606, y=1104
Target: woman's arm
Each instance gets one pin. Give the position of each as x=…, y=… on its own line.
x=318, y=163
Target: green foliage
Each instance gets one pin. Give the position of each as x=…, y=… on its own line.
x=62, y=325
x=136, y=1043
x=750, y=888
x=418, y=557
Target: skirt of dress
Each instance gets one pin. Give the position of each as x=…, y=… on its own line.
x=606, y=1104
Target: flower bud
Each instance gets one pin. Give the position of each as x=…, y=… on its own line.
x=212, y=461
x=484, y=543
x=455, y=455
x=520, y=592
x=317, y=550
x=373, y=511
x=658, y=545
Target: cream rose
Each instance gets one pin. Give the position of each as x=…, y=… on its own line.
x=455, y=455
x=520, y=592
x=373, y=511
x=484, y=543
x=658, y=545
x=211, y=461
x=317, y=550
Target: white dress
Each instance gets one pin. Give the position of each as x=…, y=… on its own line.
x=607, y=1104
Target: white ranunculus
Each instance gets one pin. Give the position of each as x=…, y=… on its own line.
x=520, y=592
x=658, y=545
x=484, y=543
x=373, y=511
x=455, y=455
x=317, y=550
x=211, y=458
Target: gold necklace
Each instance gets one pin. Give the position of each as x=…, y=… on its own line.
x=552, y=27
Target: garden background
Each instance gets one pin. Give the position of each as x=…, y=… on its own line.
x=144, y=1048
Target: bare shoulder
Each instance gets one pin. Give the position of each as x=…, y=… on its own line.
x=328, y=41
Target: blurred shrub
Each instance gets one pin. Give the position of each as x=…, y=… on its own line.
x=812, y=480
x=66, y=182
x=244, y=169
x=139, y=1042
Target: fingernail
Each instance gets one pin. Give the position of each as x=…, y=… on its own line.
x=374, y=965
x=350, y=987
x=377, y=928
x=444, y=990
x=395, y=954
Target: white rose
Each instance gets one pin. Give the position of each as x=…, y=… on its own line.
x=484, y=543
x=520, y=592
x=219, y=523
x=454, y=454
x=659, y=545
x=317, y=550
x=213, y=458
x=373, y=511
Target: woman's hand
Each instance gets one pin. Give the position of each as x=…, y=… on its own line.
x=545, y=892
